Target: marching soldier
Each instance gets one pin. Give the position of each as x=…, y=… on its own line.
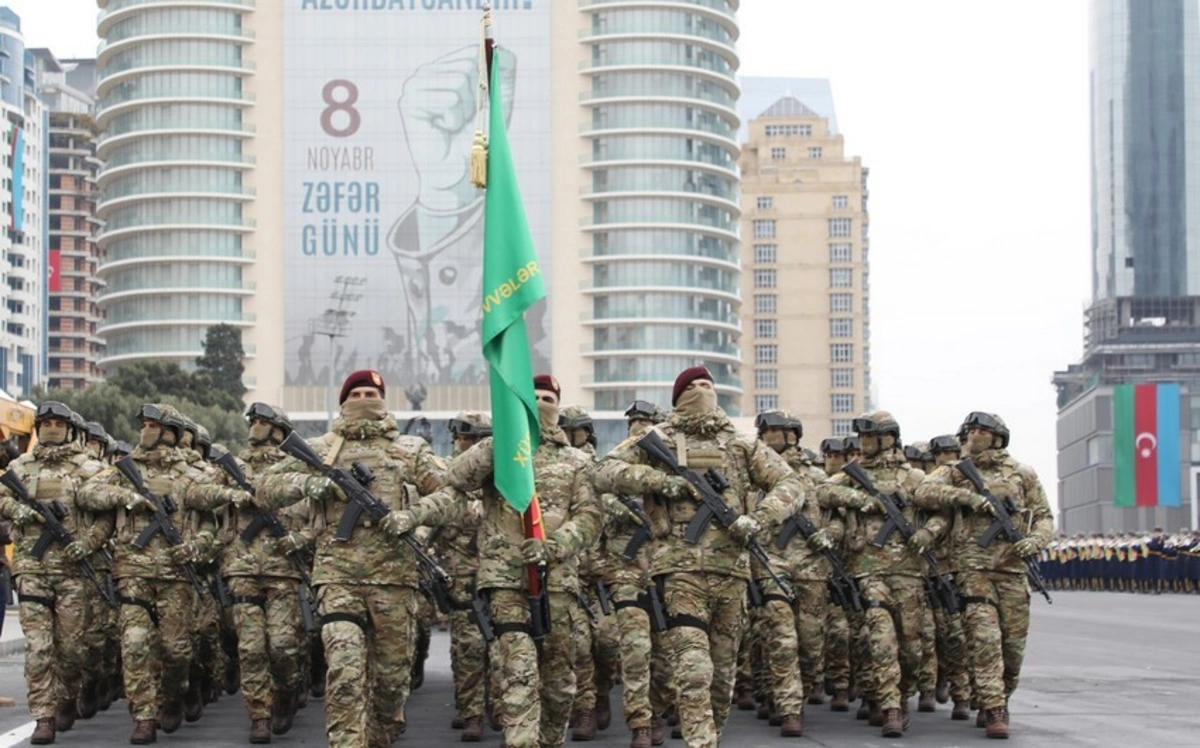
x=954, y=668
x=837, y=625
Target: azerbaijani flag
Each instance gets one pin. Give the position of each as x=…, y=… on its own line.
x=1146, y=456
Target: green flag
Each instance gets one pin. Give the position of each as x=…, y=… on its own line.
x=512, y=282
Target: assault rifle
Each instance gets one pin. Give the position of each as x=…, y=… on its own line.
x=163, y=507
x=482, y=617
x=1003, y=511
x=656, y=608
x=709, y=487
x=843, y=588
x=893, y=504
x=354, y=484
x=643, y=532
x=604, y=597
x=52, y=516
x=587, y=608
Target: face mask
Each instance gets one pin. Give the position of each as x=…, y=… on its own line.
x=52, y=434
x=547, y=415
x=775, y=440
x=150, y=436
x=364, y=409
x=260, y=433
x=697, y=401
x=979, y=442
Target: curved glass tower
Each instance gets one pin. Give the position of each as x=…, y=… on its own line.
x=170, y=103
x=663, y=192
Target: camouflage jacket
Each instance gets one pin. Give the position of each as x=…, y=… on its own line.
x=592, y=559
x=55, y=473
x=457, y=541
x=570, y=512
x=400, y=464
x=710, y=442
x=619, y=528
x=166, y=472
x=890, y=474
x=256, y=558
x=947, y=489
x=799, y=561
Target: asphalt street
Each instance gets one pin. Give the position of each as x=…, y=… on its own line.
x=1101, y=669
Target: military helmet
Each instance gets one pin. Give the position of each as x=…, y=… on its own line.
x=472, y=423
x=79, y=425
x=852, y=444
x=778, y=419
x=988, y=422
x=645, y=410
x=917, y=452
x=832, y=446
x=878, y=422
x=165, y=415
x=271, y=414
x=810, y=455
x=202, y=441
x=96, y=432
x=53, y=409
x=122, y=448
x=576, y=417
x=944, y=443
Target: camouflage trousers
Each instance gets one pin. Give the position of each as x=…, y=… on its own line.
x=893, y=623
x=155, y=658
x=597, y=658
x=837, y=648
x=369, y=631
x=537, y=682
x=102, y=637
x=468, y=652
x=952, y=654
x=208, y=658
x=707, y=615
x=662, y=687
x=54, y=617
x=632, y=624
x=266, y=616
x=927, y=671
x=996, y=624
x=861, y=673
x=789, y=640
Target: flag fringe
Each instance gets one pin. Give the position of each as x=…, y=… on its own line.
x=479, y=146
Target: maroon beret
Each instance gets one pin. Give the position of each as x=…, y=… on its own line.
x=362, y=378
x=686, y=377
x=549, y=383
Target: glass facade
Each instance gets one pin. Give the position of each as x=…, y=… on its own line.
x=664, y=212
x=171, y=103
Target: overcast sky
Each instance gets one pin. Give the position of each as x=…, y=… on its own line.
x=973, y=120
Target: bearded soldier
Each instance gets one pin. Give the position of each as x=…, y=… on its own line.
x=890, y=573
x=704, y=583
x=992, y=576
x=51, y=587
x=367, y=586
x=538, y=682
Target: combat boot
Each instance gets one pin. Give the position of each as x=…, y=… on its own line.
x=458, y=722
x=893, y=724
x=89, y=699
x=472, y=730
x=144, y=733
x=791, y=726
x=658, y=735
x=997, y=723
x=585, y=726
x=64, y=720
x=876, y=717
x=961, y=711
x=641, y=738
x=764, y=711
x=745, y=701
x=260, y=731
x=927, y=702
x=981, y=718
x=904, y=718
x=283, y=713
x=943, y=692
x=864, y=710
x=193, y=700
x=603, y=712
x=172, y=716
x=231, y=676
x=840, y=702
x=44, y=733
x=815, y=696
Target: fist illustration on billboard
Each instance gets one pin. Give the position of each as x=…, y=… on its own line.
x=438, y=111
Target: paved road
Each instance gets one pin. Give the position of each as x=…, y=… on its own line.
x=1102, y=669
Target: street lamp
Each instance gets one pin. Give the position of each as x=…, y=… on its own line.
x=333, y=323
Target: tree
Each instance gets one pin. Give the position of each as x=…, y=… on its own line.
x=221, y=368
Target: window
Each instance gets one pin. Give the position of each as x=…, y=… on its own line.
x=764, y=253
x=774, y=131
x=841, y=302
x=764, y=228
x=841, y=201
x=842, y=403
x=764, y=278
x=765, y=303
x=841, y=427
x=841, y=252
x=765, y=402
x=866, y=254
x=841, y=327
x=840, y=277
x=842, y=353
x=764, y=202
x=814, y=151
x=766, y=353
x=764, y=328
x=778, y=154
x=841, y=378
x=838, y=227
x=766, y=379
x=866, y=282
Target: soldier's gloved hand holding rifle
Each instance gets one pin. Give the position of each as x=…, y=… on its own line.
x=538, y=551
x=744, y=528
x=398, y=522
x=23, y=516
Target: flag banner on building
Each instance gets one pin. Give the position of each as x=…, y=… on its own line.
x=54, y=272
x=512, y=282
x=1146, y=449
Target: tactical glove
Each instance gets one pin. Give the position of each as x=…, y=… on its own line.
x=398, y=522
x=291, y=543
x=23, y=516
x=1026, y=547
x=78, y=550
x=820, y=541
x=537, y=551
x=921, y=541
x=981, y=505
x=675, y=488
x=184, y=553
x=744, y=528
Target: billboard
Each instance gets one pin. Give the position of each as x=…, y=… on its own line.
x=383, y=228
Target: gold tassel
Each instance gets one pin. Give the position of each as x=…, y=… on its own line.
x=479, y=154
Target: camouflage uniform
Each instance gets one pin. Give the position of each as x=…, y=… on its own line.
x=704, y=584
x=538, y=682
x=367, y=587
x=992, y=579
x=952, y=662
x=53, y=592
